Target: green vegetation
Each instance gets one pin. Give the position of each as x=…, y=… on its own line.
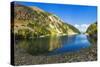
x=73, y=28
x=92, y=32
x=33, y=22
x=92, y=29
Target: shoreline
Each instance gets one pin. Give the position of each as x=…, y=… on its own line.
x=58, y=35
x=84, y=55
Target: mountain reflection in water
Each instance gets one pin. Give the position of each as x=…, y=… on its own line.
x=53, y=45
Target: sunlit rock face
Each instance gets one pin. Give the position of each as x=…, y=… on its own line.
x=34, y=22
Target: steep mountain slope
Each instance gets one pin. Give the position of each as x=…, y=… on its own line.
x=34, y=22
x=92, y=31
x=71, y=30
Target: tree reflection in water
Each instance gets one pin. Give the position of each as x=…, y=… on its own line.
x=39, y=46
x=53, y=45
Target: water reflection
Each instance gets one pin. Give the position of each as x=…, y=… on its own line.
x=53, y=45
x=39, y=46
x=92, y=40
x=72, y=44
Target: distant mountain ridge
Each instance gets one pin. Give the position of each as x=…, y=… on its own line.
x=35, y=22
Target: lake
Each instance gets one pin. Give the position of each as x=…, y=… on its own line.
x=52, y=45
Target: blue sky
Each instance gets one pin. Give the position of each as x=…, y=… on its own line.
x=77, y=15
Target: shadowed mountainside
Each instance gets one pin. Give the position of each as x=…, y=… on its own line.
x=92, y=32
x=92, y=29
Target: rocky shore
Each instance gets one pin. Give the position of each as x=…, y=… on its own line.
x=86, y=54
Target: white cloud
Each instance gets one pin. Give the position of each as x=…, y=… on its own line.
x=82, y=27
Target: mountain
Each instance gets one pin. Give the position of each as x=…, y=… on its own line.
x=35, y=22
x=92, y=31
